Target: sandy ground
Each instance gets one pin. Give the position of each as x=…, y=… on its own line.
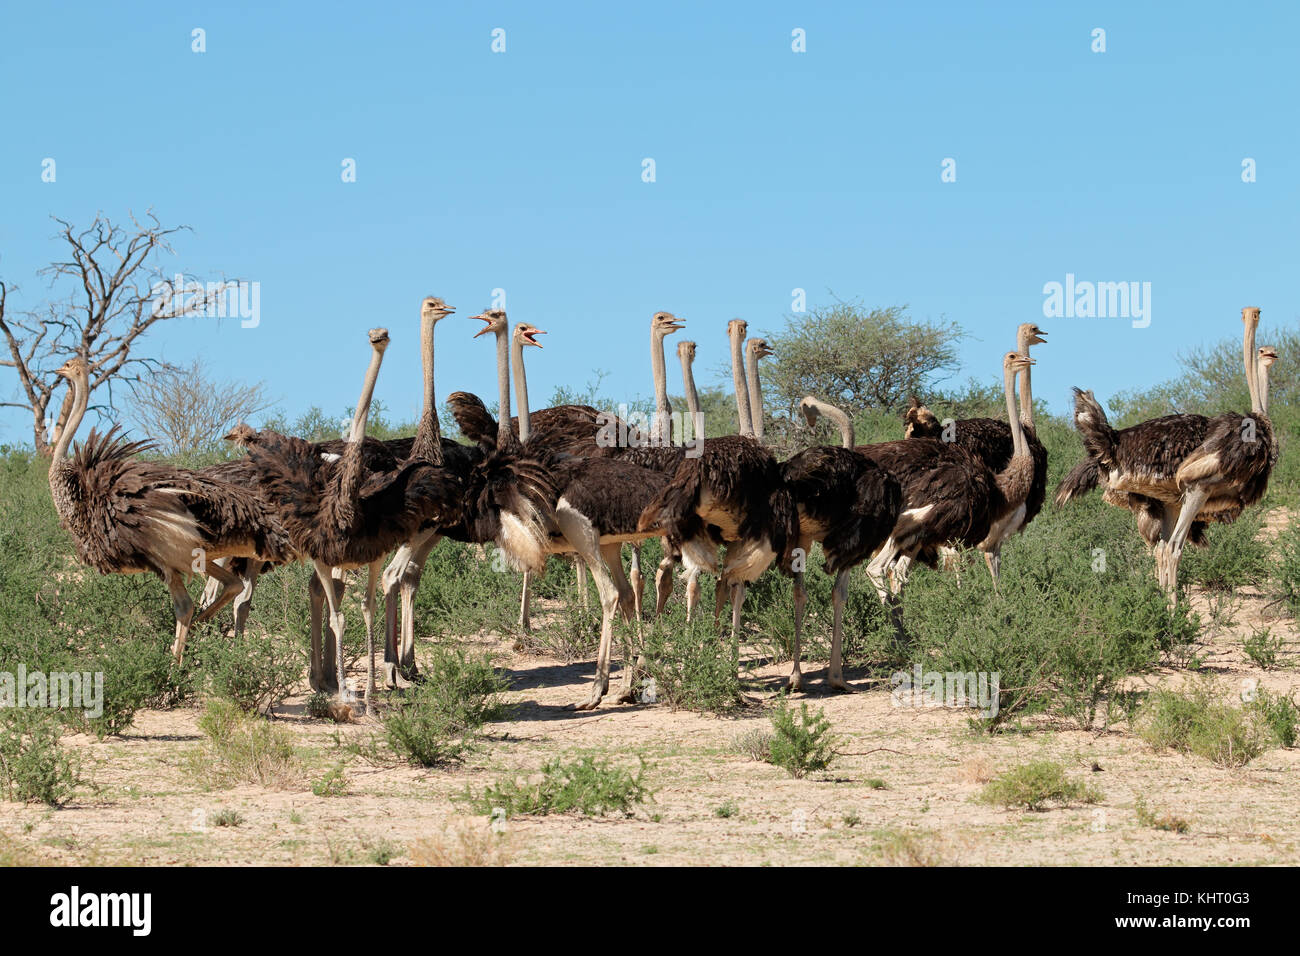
x=901, y=793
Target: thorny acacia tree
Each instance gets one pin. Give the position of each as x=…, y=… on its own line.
x=115, y=293
x=185, y=411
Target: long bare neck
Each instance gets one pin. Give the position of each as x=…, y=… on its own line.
x=1252, y=362
x=1262, y=386
x=839, y=417
x=1026, y=395
x=504, y=435
x=755, y=397
x=1019, y=447
x=77, y=398
x=738, y=380
x=350, y=468
x=521, y=388
x=428, y=437
x=663, y=427
x=688, y=384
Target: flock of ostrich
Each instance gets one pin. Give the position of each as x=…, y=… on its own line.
x=547, y=483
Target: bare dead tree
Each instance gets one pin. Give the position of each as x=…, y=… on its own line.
x=185, y=411
x=116, y=292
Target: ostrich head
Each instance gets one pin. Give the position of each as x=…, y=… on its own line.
x=1267, y=356
x=494, y=320
x=738, y=328
x=241, y=435
x=919, y=420
x=1030, y=334
x=686, y=351
x=758, y=348
x=74, y=369
x=524, y=334
x=433, y=307
x=665, y=323
x=808, y=405
x=1015, y=363
x=1250, y=315
x=379, y=339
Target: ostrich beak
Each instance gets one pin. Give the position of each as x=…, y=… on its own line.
x=528, y=333
x=487, y=324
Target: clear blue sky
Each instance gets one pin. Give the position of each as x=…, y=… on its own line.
x=775, y=170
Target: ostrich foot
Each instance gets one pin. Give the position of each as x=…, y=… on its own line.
x=838, y=683
x=795, y=681
x=598, y=690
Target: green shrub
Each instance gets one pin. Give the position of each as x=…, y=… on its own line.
x=1034, y=785
x=692, y=668
x=801, y=744
x=434, y=723
x=243, y=748
x=587, y=786
x=33, y=764
x=1193, y=721
x=333, y=784
x=1149, y=817
x=1234, y=555
x=257, y=672
x=1262, y=647
x=1286, y=576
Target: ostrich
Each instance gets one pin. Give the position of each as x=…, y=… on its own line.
x=755, y=349
x=340, y=516
x=1179, y=472
x=597, y=505
x=129, y=517
x=848, y=503
x=991, y=440
x=950, y=494
x=731, y=493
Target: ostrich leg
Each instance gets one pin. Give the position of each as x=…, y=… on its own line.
x=578, y=531
x=373, y=571
x=183, y=605
x=333, y=597
x=1192, y=503
x=800, y=604
x=223, y=585
x=244, y=600
x=580, y=571
x=612, y=555
x=637, y=579
x=320, y=676
x=525, y=625
x=403, y=573
x=839, y=595
x=664, y=582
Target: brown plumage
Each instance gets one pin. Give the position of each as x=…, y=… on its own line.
x=1178, y=472
x=128, y=516
x=848, y=503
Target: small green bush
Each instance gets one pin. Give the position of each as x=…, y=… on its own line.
x=1195, y=722
x=1149, y=817
x=257, y=672
x=33, y=764
x=333, y=784
x=691, y=667
x=1277, y=715
x=1234, y=556
x=434, y=723
x=1286, y=575
x=1034, y=785
x=1262, y=647
x=243, y=748
x=587, y=786
x=800, y=744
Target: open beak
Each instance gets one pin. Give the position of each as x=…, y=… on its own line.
x=528, y=334
x=487, y=324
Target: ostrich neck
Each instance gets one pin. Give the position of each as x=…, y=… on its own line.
x=755, y=398
x=350, y=468
x=688, y=384
x=663, y=426
x=1015, y=479
x=1026, y=395
x=521, y=388
x=73, y=410
x=738, y=381
x=841, y=420
x=1252, y=366
x=428, y=437
x=1262, y=386
x=504, y=435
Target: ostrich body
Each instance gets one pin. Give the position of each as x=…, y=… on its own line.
x=1179, y=472
x=340, y=516
x=990, y=439
x=129, y=517
x=732, y=494
x=598, y=504
x=848, y=503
